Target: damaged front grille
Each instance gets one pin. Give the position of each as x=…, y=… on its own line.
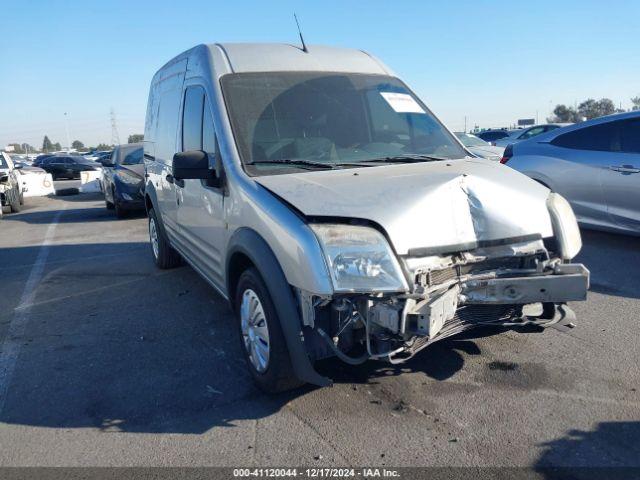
x=437, y=277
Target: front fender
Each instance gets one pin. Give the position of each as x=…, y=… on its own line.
x=249, y=243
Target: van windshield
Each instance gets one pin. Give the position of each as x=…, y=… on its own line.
x=284, y=120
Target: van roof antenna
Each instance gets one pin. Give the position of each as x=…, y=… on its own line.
x=304, y=46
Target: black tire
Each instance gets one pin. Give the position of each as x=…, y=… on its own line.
x=120, y=212
x=165, y=257
x=14, y=202
x=279, y=374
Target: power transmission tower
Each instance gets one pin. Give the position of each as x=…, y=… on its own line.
x=115, y=136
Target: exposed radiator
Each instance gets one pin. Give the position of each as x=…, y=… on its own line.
x=468, y=317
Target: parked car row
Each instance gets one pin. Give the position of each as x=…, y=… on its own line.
x=504, y=137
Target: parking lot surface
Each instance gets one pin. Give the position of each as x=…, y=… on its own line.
x=106, y=360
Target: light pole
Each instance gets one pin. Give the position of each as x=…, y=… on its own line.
x=66, y=126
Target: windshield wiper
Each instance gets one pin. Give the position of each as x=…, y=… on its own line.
x=408, y=158
x=309, y=163
x=292, y=161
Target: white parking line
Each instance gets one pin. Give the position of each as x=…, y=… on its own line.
x=11, y=345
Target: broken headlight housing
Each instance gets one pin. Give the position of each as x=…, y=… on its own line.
x=359, y=259
x=565, y=226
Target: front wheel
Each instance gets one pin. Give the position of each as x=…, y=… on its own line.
x=164, y=255
x=262, y=341
x=14, y=203
x=120, y=212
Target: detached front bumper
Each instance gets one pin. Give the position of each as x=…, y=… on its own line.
x=566, y=283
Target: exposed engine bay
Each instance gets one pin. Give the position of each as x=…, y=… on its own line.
x=516, y=284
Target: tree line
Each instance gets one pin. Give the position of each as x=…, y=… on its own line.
x=49, y=146
x=589, y=109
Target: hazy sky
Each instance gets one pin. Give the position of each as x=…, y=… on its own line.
x=493, y=62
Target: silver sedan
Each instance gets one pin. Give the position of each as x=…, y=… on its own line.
x=595, y=165
x=479, y=147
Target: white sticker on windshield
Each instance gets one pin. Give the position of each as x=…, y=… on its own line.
x=402, y=102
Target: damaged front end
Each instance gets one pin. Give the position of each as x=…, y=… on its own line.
x=415, y=300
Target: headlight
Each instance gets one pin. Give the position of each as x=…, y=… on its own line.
x=128, y=178
x=565, y=226
x=359, y=259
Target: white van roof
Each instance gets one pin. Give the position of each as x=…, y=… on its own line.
x=274, y=57
x=261, y=57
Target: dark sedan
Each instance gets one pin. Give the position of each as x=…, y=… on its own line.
x=123, y=179
x=70, y=166
x=41, y=158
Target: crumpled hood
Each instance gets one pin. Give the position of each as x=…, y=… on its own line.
x=425, y=208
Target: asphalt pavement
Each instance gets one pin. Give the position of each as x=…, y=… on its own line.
x=107, y=361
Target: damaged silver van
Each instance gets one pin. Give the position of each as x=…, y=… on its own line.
x=318, y=194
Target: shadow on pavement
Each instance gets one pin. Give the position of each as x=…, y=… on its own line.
x=80, y=197
x=611, y=450
x=71, y=215
x=113, y=343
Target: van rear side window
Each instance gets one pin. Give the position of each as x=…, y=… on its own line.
x=192, y=119
x=168, y=119
x=198, y=131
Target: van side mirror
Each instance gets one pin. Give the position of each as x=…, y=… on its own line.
x=193, y=164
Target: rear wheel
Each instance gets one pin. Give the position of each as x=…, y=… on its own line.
x=164, y=255
x=261, y=337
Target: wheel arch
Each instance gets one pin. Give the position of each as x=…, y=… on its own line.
x=150, y=198
x=248, y=249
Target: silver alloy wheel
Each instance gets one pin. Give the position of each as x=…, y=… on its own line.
x=255, y=332
x=153, y=236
